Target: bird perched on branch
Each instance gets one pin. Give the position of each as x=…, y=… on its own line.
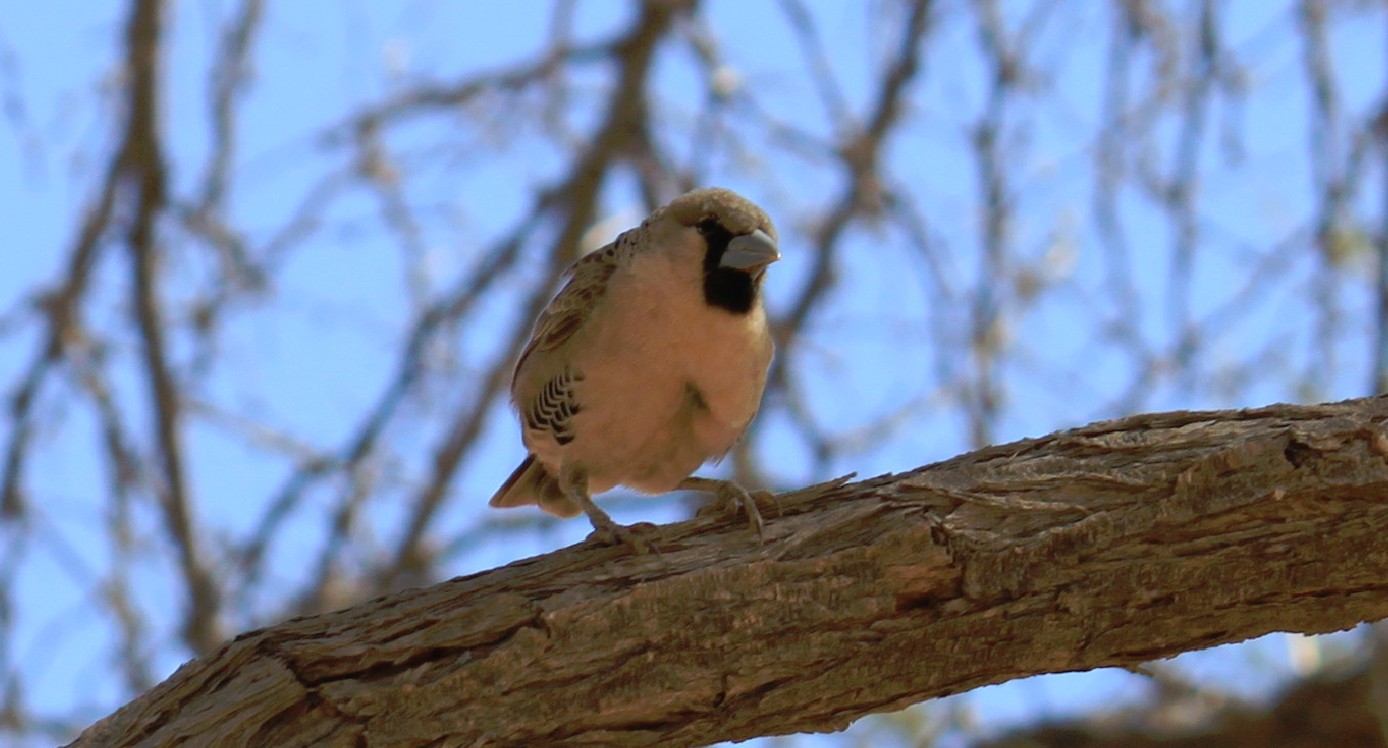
x=648, y=363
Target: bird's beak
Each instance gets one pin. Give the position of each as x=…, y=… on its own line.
x=750, y=251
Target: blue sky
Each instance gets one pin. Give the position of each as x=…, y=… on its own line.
x=309, y=358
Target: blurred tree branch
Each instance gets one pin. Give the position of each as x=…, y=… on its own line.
x=1106, y=545
x=1330, y=709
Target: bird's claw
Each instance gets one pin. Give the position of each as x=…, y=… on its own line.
x=732, y=497
x=611, y=533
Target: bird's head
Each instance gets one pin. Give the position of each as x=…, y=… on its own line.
x=731, y=238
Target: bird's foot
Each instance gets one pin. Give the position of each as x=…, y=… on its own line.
x=636, y=537
x=731, y=498
x=573, y=480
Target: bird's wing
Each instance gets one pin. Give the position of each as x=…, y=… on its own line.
x=574, y=304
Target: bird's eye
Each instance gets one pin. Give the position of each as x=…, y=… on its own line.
x=715, y=235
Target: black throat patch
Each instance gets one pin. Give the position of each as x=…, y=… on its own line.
x=726, y=288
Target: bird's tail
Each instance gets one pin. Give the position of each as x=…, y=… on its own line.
x=530, y=483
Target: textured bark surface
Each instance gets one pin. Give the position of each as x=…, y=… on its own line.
x=1106, y=545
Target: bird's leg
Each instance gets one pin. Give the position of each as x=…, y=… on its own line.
x=729, y=495
x=573, y=481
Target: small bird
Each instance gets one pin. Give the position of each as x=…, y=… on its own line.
x=648, y=363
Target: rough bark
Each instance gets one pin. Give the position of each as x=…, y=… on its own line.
x=1106, y=545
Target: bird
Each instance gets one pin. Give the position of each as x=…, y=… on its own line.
x=649, y=362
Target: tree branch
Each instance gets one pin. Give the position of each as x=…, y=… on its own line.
x=1107, y=545
x=142, y=162
x=1328, y=708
